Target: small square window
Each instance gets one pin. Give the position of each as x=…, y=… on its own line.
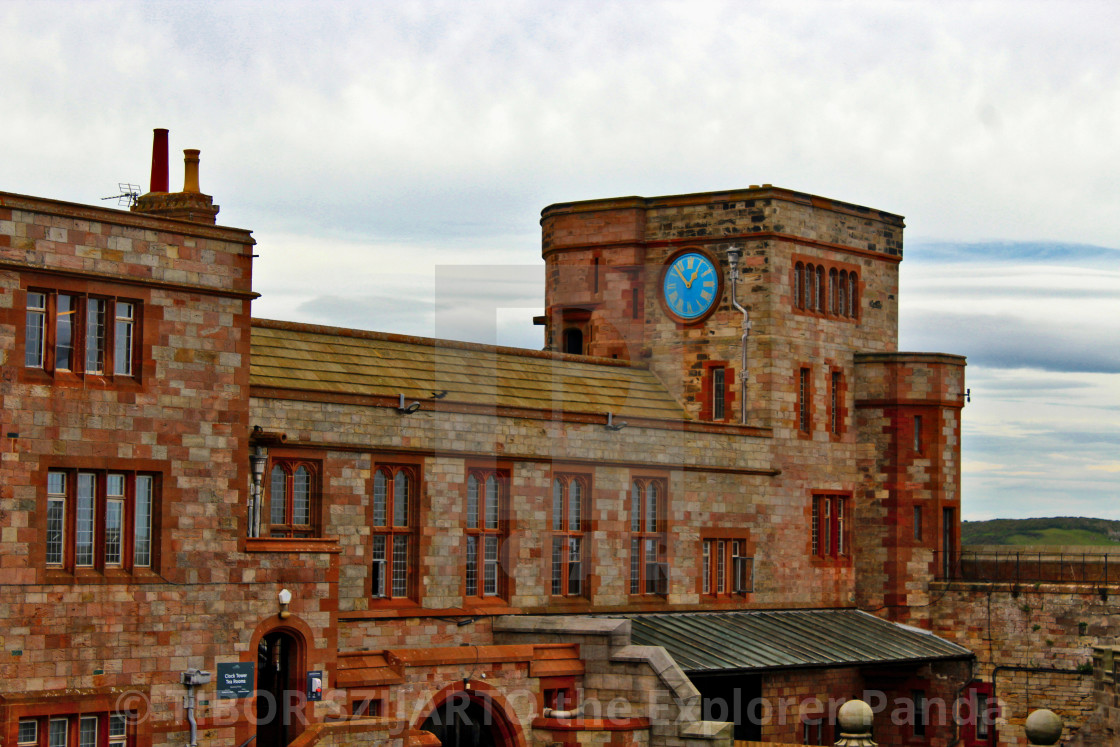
x=368, y=707
x=28, y=731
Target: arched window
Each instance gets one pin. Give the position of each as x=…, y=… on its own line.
x=829, y=289
x=394, y=528
x=649, y=571
x=293, y=498
x=810, y=288
x=833, y=295
x=487, y=504
x=820, y=290
x=568, y=526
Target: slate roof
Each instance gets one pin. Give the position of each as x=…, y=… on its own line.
x=350, y=362
x=702, y=642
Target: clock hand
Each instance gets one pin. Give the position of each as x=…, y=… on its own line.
x=687, y=284
x=693, y=280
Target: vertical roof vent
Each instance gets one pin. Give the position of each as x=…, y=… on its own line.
x=190, y=204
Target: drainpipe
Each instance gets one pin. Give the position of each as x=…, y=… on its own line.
x=257, y=461
x=192, y=678
x=733, y=255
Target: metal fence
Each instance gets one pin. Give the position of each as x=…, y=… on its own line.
x=1029, y=567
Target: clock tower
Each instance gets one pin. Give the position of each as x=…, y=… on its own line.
x=648, y=280
x=774, y=314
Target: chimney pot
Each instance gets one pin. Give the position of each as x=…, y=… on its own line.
x=159, y=182
x=190, y=170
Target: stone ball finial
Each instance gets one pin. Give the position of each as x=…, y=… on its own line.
x=1044, y=727
x=855, y=717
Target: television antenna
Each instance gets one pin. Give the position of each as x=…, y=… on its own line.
x=128, y=194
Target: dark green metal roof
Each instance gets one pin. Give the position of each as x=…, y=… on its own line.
x=757, y=640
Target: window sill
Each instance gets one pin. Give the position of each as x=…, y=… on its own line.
x=31, y=375
x=107, y=576
x=650, y=600
x=622, y=723
x=488, y=606
x=292, y=544
x=404, y=606
x=569, y=602
x=831, y=561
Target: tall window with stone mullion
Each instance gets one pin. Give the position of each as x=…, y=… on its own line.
x=568, y=516
x=393, y=531
x=649, y=571
x=486, y=508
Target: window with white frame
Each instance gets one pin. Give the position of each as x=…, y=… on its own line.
x=829, y=526
x=726, y=568
x=85, y=730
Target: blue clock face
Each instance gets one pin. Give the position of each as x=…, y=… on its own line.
x=691, y=286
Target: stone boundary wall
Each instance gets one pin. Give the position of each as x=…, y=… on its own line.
x=1036, y=640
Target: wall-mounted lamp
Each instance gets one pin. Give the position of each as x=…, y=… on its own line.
x=613, y=426
x=733, y=255
x=408, y=409
x=285, y=599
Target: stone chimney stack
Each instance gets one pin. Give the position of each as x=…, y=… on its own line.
x=190, y=204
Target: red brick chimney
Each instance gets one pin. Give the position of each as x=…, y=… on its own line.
x=190, y=204
x=159, y=161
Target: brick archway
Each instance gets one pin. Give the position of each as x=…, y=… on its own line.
x=470, y=716
x=282, y=646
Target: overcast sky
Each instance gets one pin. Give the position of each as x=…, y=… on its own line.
x=375, y=149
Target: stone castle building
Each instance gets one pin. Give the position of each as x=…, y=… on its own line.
x=709, y=510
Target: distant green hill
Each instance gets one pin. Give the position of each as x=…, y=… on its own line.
x=1063, y=530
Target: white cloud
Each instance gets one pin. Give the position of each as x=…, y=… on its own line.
x=369, y=143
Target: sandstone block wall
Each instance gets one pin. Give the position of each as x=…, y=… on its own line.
x=604, y=260
x=99, y=639
x=1035, y=641
x=908, y=409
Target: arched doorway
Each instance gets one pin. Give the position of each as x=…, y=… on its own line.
x=279, y=689
x=468, y=719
